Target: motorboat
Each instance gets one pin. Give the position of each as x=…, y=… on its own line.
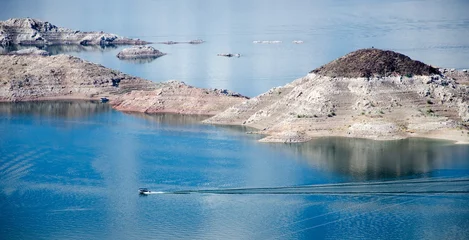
x=144, y=191
x=104, y=99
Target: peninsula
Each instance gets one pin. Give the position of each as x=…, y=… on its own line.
x=28, y=31
x=63, y=77
x=369, y=93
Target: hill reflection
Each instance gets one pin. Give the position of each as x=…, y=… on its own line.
x=364, y=159
x=171, y=119
x=62, y=109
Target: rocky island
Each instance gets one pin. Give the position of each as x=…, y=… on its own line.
x=63, y=77
x=369, y=93
x=28, y=31
x=139, y=52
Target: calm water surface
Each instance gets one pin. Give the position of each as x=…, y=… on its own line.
x=71, y=170
x=433, y=31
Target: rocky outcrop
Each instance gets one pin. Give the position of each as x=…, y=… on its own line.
x=412, y=101
x=30, y=51
x=28, y=78
x=139, y=52
x=196, y=41
x=177, y=97
x=28, y=31
x=374, y=62
x=24, y=78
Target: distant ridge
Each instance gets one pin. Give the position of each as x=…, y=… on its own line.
x=374, y=62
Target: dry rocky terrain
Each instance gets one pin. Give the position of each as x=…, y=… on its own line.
x=369, y=93
x=28, y=31
x=32, y=77
x=139, y=52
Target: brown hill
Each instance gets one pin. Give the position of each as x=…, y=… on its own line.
x=374, y=62
x=392, y=107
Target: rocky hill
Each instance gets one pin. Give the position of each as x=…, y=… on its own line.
x=374, y=62
x=31, y=77
x=28, y=31
x=369, y=93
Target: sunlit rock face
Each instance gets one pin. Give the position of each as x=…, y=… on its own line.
x=28, y=31
x=369, y=93
x=60, y=77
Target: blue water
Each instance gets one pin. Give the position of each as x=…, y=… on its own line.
x=432, y=31
x=72, y=170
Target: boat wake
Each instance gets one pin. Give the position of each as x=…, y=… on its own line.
x=157, y=193
x=401, y=187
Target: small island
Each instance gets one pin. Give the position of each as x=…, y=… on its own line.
x=137, y=52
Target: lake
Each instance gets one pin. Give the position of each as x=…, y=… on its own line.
x=432, y=31
x=71, y=170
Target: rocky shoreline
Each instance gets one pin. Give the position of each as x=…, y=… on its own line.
x=370, y=93
x=385, y=97
x=63, y=77
x=34, y=32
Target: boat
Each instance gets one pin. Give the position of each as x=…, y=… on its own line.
x=104, y=99
x=144, y=191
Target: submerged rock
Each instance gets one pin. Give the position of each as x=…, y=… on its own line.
x=28, y=31
x=229, y=54
x=268, y=42
x=139, y=52
x=197, y=41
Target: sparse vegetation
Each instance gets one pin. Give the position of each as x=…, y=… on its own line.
x=303, y=116
x=374, y=62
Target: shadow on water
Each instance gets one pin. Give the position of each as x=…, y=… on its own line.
x=364, y=159
x=62, y=109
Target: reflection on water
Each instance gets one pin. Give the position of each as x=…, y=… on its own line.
x=62, y=109
x=84, y=178
x=60, y=49
x=368, y=159
x=67, y=49
x=172, y=119
x=139, y=60
x=433, y=31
